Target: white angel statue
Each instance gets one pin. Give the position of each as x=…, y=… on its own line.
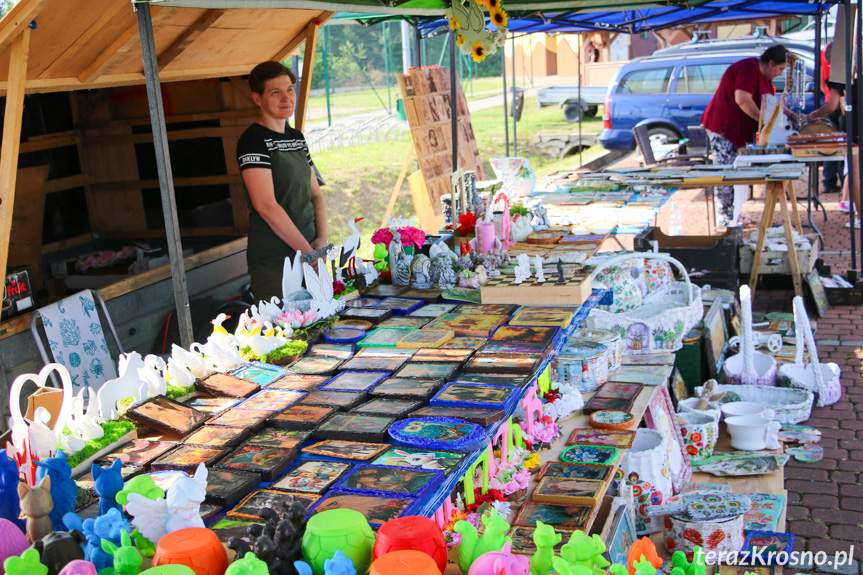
x=179, y=509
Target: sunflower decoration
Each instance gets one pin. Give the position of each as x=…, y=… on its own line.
x=468, y=25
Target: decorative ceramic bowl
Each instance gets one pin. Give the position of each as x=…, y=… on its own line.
x=611, y=419
x=591, y=454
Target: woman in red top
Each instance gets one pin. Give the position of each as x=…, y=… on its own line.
x=731, y=118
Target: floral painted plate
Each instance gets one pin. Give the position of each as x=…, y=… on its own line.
x=612, y=419
x=589, y=454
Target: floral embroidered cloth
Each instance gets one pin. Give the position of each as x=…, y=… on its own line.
x=75, y=337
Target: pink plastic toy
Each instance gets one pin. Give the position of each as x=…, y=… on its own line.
x=79, y=567
x=13, y=542
x=500, y=562
x=532, y=405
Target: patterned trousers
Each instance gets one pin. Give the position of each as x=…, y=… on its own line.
x=724, y=153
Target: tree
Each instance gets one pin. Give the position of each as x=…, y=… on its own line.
x=5, y=6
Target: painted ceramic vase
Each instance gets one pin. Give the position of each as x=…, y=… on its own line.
x=645, y=469
x=699, y=433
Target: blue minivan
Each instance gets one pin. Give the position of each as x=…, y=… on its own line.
x=669, y=91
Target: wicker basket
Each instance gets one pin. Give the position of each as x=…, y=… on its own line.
x=672, y=309
x=790, y=405
x=822, y=379
x=749, y=367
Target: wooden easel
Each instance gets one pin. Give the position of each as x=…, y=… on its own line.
x=428, y=221
x=781, y=191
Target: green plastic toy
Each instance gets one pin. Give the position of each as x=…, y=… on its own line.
x=545, y=538
x=127, y=559
x=248, y=565
x=25, y=564
x=143, y=485
x=472, y=546
x=169, y=570
x=338, y=529
x=680, y=566
x=643, y=567
x=564, y=567
x=381, y=258
x=584, y=551
x=618, y=569
x=469, y=487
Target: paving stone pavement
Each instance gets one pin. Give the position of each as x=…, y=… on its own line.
x=825, y=499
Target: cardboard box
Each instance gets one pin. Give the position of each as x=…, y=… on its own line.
x=50, y=398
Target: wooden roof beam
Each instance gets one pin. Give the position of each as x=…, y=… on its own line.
x=122, y=43
x=18, y=18
x=294, y=44
x=189, y=35
x=306, y=80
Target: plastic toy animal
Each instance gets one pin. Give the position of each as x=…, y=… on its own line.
x=472, y=546
x=680, y=566
x=78, y=567
x=13, y=542
x=142, y=485
x=178, y=510
x=127, y=559
x=545, y=538
x=502, y=561
x=641, y=550
x=583, y=551
x=59, y=548
x=107, y=483
x=63, y=489
x=25, y=564
x=10, y=508
x=107, y=527
x=36, y=505
x=169, y=570
x=248, y=565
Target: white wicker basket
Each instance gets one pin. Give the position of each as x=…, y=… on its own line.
x=749, y=367
x=673, y=309
x=790, y=405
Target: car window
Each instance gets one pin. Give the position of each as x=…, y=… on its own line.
x=650, y=81
x=701, y=78
x=779, y=82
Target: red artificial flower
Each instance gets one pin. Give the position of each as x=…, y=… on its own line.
x=338, y=287
x=467, y=224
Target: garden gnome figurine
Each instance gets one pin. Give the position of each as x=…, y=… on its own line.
x=540, y=276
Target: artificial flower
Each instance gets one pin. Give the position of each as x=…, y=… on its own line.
x=532, y=461
x=499, y=18
x=502, y=508
x=411, y=236
x=467, y=224
x=382, y=236
x=483, y=3
x=454, y=23
x=338, y=288
x=478, y=52
x=492, y=4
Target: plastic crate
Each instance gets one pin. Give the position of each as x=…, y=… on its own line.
x=716, y=254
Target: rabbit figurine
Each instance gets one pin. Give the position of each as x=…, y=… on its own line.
x=36, y=505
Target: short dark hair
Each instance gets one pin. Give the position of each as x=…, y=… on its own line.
x=776, y=54
x=828, y=51
x=267, y=71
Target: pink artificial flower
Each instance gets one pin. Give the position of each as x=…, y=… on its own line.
x=382, y=236
x=511, y=487
x=412, y=236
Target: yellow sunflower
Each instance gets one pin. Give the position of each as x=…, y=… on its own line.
x=454, y=24
x=486, y=3
x=492, y=4
x=459, y=40
x=478, y=52
x=499, y=18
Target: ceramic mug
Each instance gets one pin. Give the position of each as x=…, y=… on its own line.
x=748, y=408
x=699, y=433
x=753, y=433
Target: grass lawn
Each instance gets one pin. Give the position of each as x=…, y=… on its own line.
x=360, y=179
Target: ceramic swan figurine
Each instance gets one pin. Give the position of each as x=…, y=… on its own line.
x=179, y=373
x=271, y=308
x=320, y=285
x=193, y=359
x=263, y=345
x=179, y=509
x=153, y=374
x=224, y=356
x=84, y=425
x=129, y=384
x=22, y=430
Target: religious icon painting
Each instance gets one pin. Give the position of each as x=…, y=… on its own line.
x=374, y=363
x=187, y=457
x=590, y=436
x=561, y=517
x=357, y=381
x=569, y=491
x=523, y=544
x=442, y=355
x=384, y=337
x=428, y=459
x=429, y=296
x=502, y=363
x=252, y=419
x=266, y=461
x=312, y=476
x=468, y=325
x=592, y=472
x=354, y=427
x=377, y=510
x=278, y=438
x=424, y=338
x=372, y=314
x=315, y=365
x=405, y=321
x=619, y=390
x=470, y=343
x=301, y=417
x=387, y=480
x=406, y=388
x=216, y=436
x=344, y=400
x=139, y=452
x=487, y=308
x=385, y=290
x=534, y=316
x=434, y=310
x=211, y=405
x=363, y=302
x=252, y=505
x=341, y=351
x=271, y=400
x=542, y=336
x=480, y=416
x=394, y=408
x=456, y=394
x=427, y=370
x=346, y=449
x=401, y=305
x=261, y=373
x=224, y=385
x=166, y=415
x=226, y=486
x=299, y=382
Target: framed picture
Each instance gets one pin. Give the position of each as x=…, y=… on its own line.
x=340, y=350
x=469, y=343
x=385, y=290
x=225, y=529
x=298, y=382
x=364, y=363
x=394, y=408
x=354, y=427
x=459, y=355
x=715, y=338
x=315, y=365
x=252, y=419
x=278, y=438
x=261, y=373
x=216, y=436
x=595, y=404
x=424, y=338
x=268, y=462
x=542, y=336
x=372, y=314
x=406, y=321
x=344, y=400
x=468, y=325
x=619, y=390
x=622, y=535
x=224, y=385
x=484, y=417
x=301, y=417
x=503, y=363
x=187, y=457
x=660, y=416
x=226, y=486
x=569, y=491
x=589, y=454
x=138, y=452
x=272, y=400
x=251, y=506
x=816, y=290
x=417, y=389
x=590, y=436
x=357, y=381
x=211, y=405
x=384, y=337
x=642, y=374
x=561, y=517
x=427, y=459
x=385, y=352
x=433, y=310
x=456, y=394
x=768, y=543
x=592, y=472
x=312, y=476
x=389, y=480
x=678, y=387
x=166, y=415
x=400, y=305
x=346, y=449
x=376, y=509
x=428, y=370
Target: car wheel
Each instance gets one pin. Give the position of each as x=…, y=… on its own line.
x=591, y=111
x=572, y=112
x=660, y=136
